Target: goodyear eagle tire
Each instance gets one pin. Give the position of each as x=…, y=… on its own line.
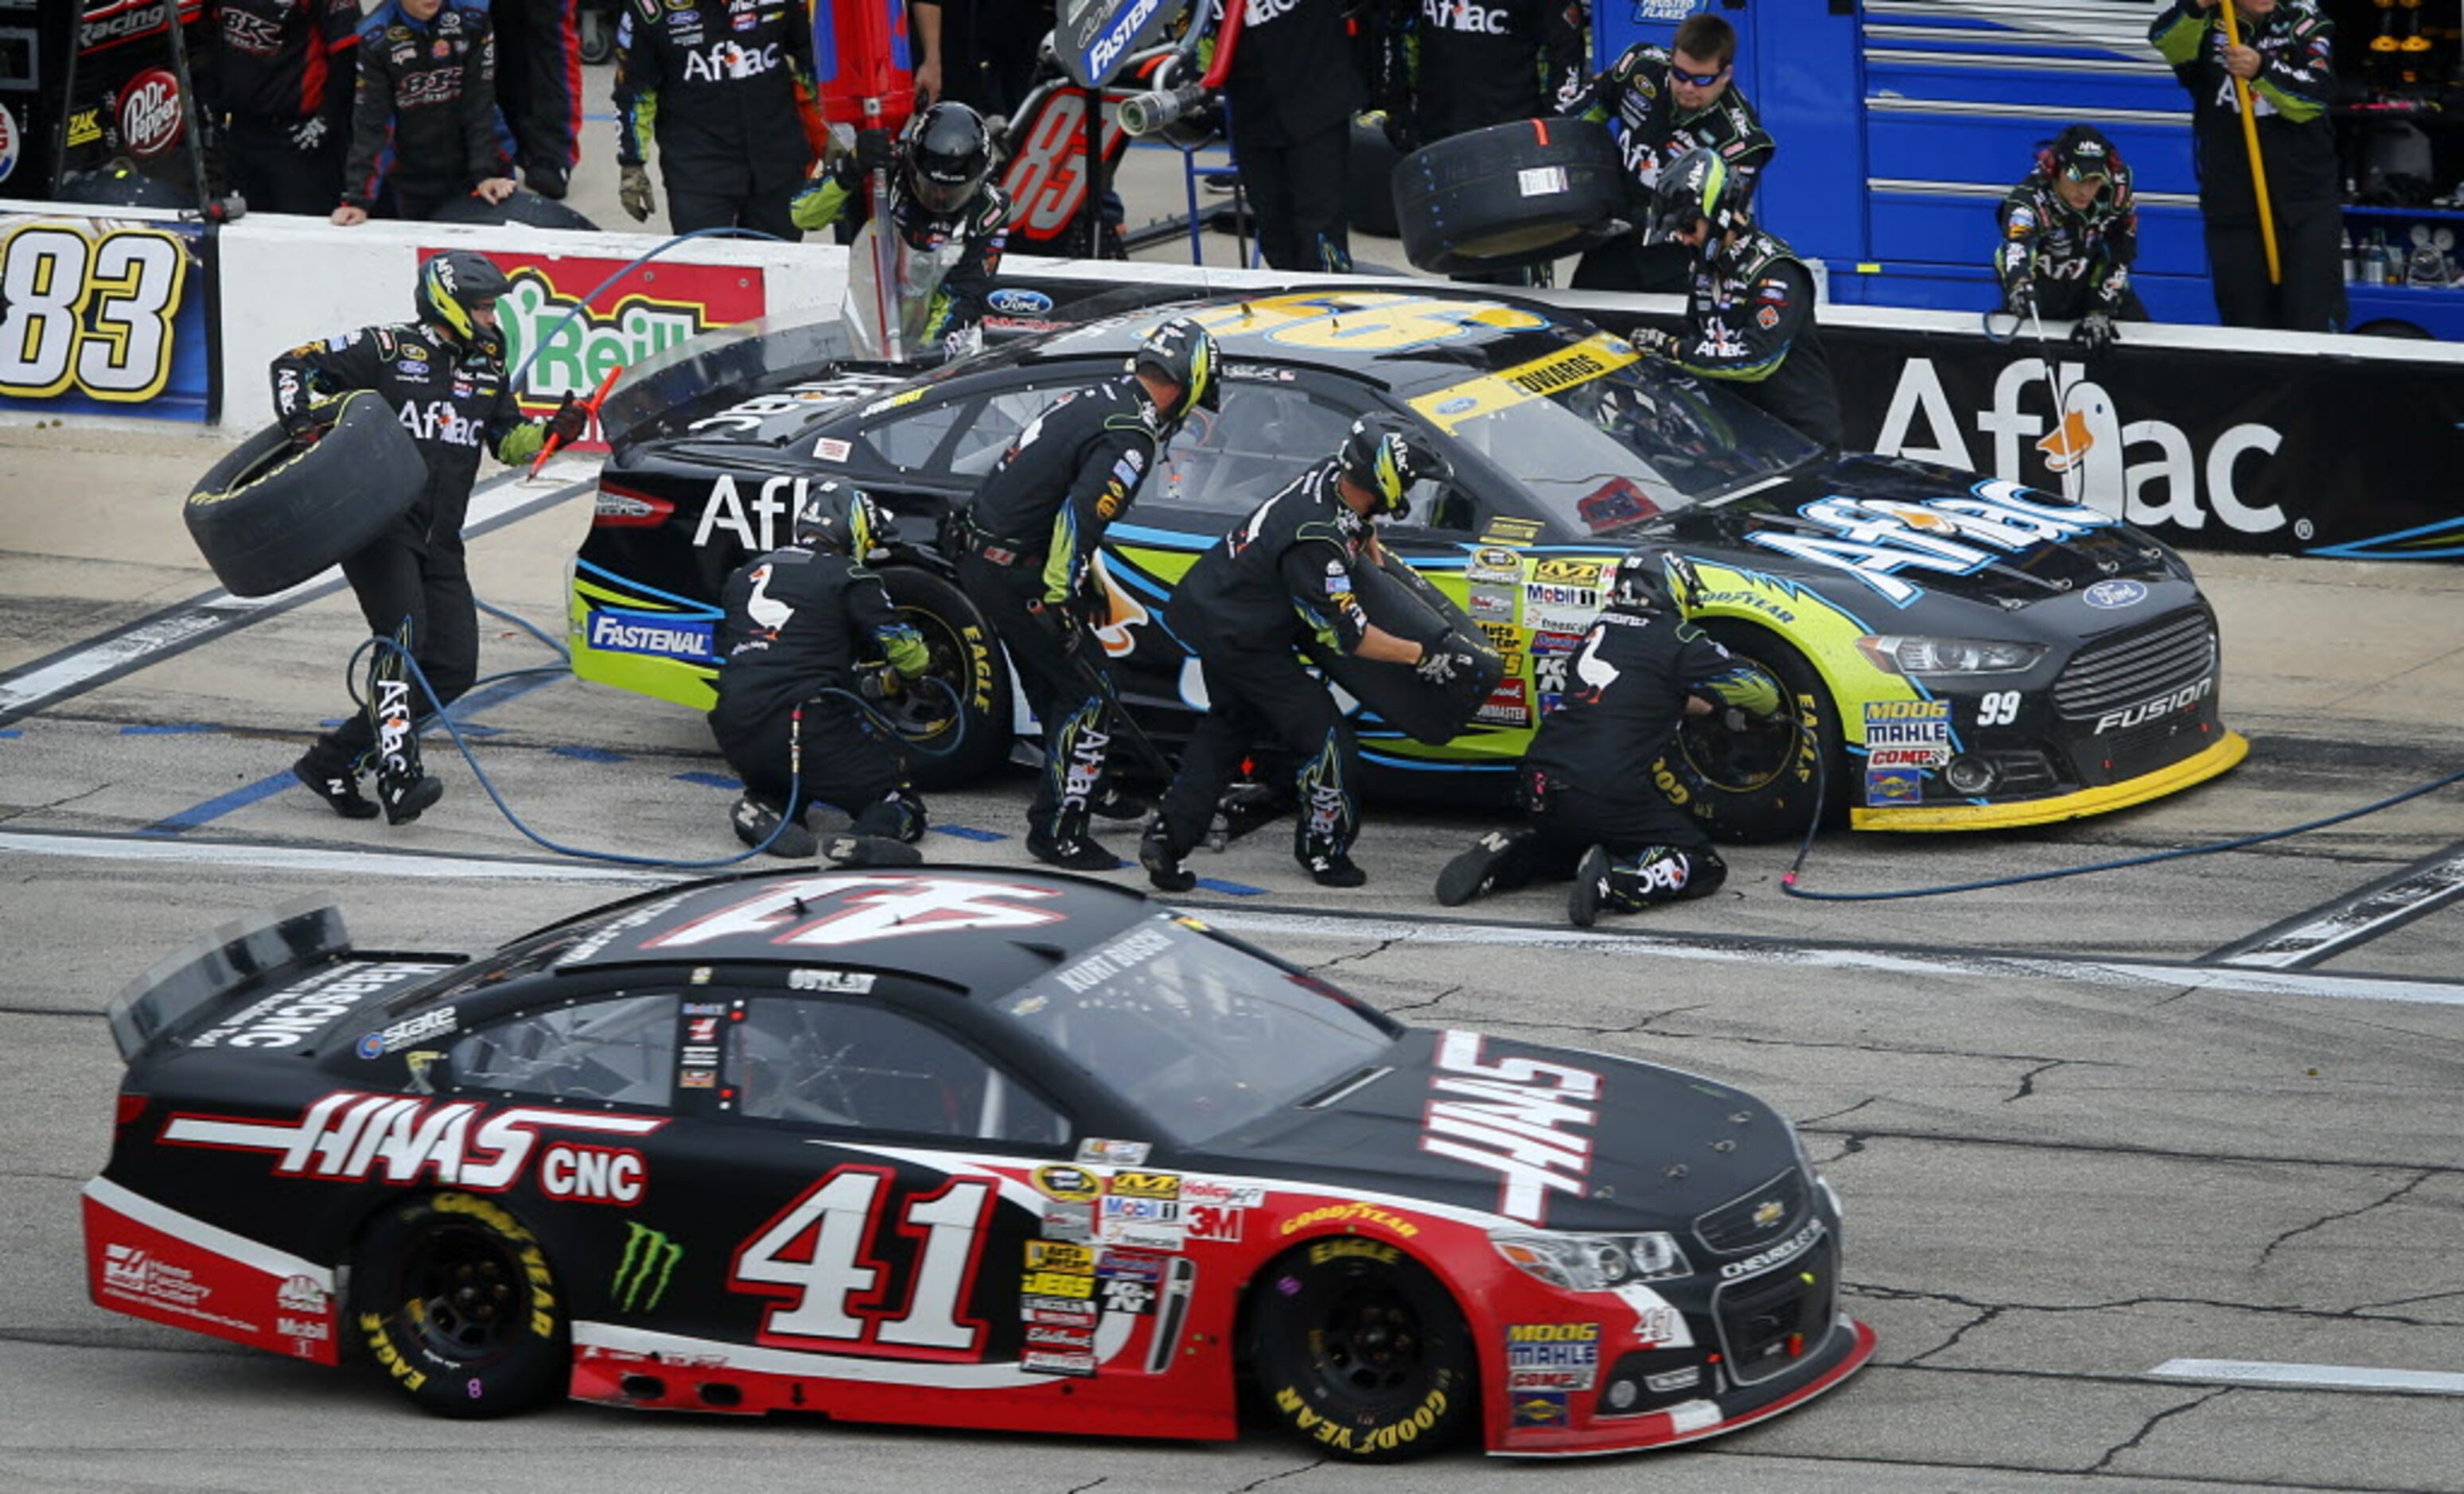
x=1520, y=193
x=1760, y=783
x=967, y=657
x=1400, y=600
x=1360, y=1352
x=456, y=1303
x=268, y=516
x=525, y=206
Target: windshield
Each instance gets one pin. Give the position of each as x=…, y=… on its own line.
x=1635, y=442
x=1201, y=1035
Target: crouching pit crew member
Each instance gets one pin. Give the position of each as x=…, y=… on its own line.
x=798, y=621
x=1281, y=579
x=1590, y=806
x=2069, y=234
x=1026, y=551
x=444, y=376
x=1750, y=322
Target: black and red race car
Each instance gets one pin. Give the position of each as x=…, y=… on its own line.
x=958, y=1146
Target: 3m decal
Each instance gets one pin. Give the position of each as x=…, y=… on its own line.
x=812, y=1257
x=643, y=1272
x=1517, y=1117
x=830, y=911
x=386, y=1138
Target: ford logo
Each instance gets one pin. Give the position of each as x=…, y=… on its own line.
x=1458, y=404
x=2112, y=594
x=1018, y=303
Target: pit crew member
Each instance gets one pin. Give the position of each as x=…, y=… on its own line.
x=280, y=76
x=717, y=84
x=797, y=623
x=1025, y=550
x=1282, y=579
x=2070, y=232
x=444, y=376
x=424, y=128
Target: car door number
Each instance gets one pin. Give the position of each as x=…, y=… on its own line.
x=1997, y=708
x=813, y=1257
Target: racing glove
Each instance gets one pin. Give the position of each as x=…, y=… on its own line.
x=1440, y=669
x=1654, y=342
x=2022, y=299
x=2095, y=332
x=570, y=420
x=1060, y=619
x=880, y=683
x=871, y=151
x=633, y=190
x=307, y=134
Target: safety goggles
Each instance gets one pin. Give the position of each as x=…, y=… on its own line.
x=2076, y=172
x=1678, y=74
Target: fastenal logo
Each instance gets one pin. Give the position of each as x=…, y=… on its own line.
x=650, y=1257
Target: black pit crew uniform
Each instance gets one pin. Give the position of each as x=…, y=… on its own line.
x=1749, y=323
x=412, y=584
x=717, y=84
x=2072, y=263
x=1635, y=95
x=539, y=87
x=2295, y=78
x=424, y=116
x=1026, y=546
x=972, y=239
x=1585, y=781
x=1280, y=581
x=799, y=621
x=279, y=77
x=1291, y=96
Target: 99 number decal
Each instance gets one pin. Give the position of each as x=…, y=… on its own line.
x=90, y=312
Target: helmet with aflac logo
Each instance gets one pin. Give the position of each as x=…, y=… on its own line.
x=1387, y=457
x=1695, y=185
x=841, y=519
x=1183, y=354
x=1651, y=579
x=453, y=286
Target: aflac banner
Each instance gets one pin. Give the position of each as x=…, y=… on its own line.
x=103, y=316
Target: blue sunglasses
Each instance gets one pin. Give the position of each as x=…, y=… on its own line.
x=1679, y=75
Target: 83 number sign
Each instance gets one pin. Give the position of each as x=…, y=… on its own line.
x=89, y=312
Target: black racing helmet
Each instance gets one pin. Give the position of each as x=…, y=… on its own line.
x=1183, y=352
x=841, y=519
x=1651, y=579
x=1696, y=184
x=949, y=154
x=455, y=284
x=1387, y=457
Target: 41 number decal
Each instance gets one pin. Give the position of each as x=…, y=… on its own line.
x=92, y=314
x=819, y=1257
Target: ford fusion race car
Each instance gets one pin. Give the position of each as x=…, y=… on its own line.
x=954, y=1147
x=1960, y=653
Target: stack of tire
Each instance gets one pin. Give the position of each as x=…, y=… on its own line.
x=1526, y=192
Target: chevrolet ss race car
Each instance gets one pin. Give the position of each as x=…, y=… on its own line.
x=953, y=1147
x=1960, y=653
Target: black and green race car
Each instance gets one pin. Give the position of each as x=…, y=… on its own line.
x=1961, y=653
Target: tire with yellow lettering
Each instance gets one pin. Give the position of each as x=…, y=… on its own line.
x=966, y=657
x=270, y=515
x=1360, y=1352
x=1760, y=783
x=454, y=1301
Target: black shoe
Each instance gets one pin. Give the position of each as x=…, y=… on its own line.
x=1076, y=853
x=1335, y=871
x=753, y=821
x=869, y=850
x=1114, y=802
x=339, y=790
x=1473, y=872
x=406, y=799
x=1591, y=888
x=547, y=179
x=1163, y=863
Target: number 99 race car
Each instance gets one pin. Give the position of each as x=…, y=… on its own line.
x=1957, y=651
x=996, y=1149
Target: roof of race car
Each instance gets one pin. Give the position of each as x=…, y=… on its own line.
x=986, y=931
x=1409, y=341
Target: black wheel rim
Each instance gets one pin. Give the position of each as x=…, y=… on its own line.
x=466, y=1295
x=950, y=666
x=1371, y=1348
x=1740, y=761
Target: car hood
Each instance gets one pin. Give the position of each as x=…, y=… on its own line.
x=1905, y=528
x=1548, y=1137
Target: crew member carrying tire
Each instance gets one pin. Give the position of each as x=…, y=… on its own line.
x=1666, y=103
x=939, y=201
x=718, y=84
x=2069, y=234
x=1025, y=550
x=1750, y=322
x=444, y=376
x=797, y=623
x=1590, y=805
x=1283, y=578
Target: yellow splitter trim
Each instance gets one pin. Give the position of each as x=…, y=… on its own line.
x=2198, y=769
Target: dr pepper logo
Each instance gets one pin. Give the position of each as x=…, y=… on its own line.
x=151, y=120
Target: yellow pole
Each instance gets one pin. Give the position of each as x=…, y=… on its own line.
x=2249, y=137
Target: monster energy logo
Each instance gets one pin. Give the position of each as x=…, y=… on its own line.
x=650, y=1257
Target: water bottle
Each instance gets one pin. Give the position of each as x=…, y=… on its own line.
x=2352, y=259
x=2374, y=260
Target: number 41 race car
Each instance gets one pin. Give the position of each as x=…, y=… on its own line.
x=1005, y=1151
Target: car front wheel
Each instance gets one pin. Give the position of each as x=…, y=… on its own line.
x=1759, y=784
x=456, y=1303
x=1360, y=1352
x=967, y=658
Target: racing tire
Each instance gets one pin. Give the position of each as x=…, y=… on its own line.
x=525, y=206
x=1360, y=1352
x=1520, y=193
x=270, y=515
x=1371, y=175
x=967, y=657
x=1769, y=781
x=456, y=1303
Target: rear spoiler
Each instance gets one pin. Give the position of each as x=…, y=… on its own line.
x=267, y=944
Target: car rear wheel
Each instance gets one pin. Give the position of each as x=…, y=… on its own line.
x=454, y=1301
x=1361, y=1351
x=966, y=657
x=1760, y=783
